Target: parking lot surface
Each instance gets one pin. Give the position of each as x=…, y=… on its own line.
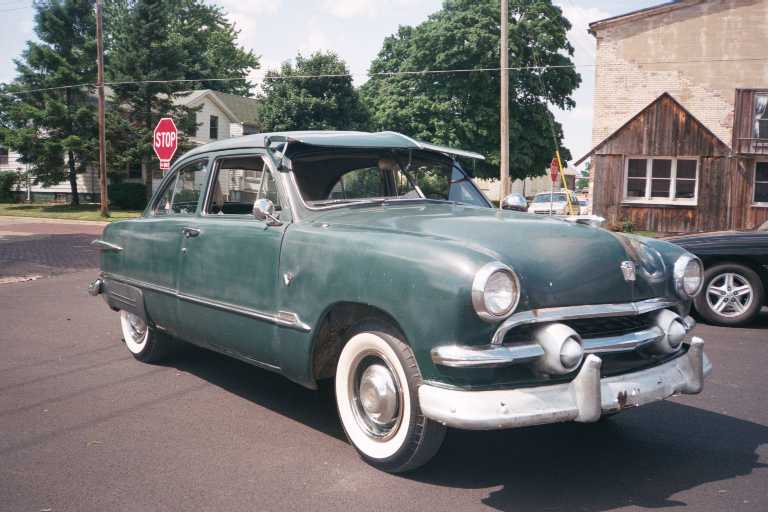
x=83, y=426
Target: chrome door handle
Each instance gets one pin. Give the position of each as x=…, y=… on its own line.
x=190, y=232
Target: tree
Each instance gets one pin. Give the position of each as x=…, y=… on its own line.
x=583, y=181
x=330, y=103
x=164, y=44
x=462, y=108
x=54, y=131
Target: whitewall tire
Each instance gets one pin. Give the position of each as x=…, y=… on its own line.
x=141, y=340
x=377, y=381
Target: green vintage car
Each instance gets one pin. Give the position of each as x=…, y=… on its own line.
x=372, y=259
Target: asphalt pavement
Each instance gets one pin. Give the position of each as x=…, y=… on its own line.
x=83, y=426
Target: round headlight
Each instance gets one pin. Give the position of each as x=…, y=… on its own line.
x=495, y=291
x=688, y=274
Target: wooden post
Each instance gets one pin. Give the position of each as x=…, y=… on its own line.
x=504, y=128
x=104, y=207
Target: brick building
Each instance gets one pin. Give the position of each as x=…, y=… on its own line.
x=680, y=128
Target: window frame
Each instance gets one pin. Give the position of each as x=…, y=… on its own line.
x=672, y=198
x=755, y=121
x=213, y=127
x=761, y=204
x=214, y=175
x=170, y=180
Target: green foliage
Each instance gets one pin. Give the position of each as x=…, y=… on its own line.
x=7, y=181
x=55, y=130
x=128, y=196
x=462, y=109
x=626, y=225
x=314, y=103
x=189, y=40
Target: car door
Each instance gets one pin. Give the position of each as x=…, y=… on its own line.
x=229, y=269
x=152, y=246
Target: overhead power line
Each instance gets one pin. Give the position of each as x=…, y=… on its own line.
x=376, y=74
x=16, y=8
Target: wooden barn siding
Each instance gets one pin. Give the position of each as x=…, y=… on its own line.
x=745, y=215
x=665, y=129
x=742, y=120
x=724, y=199
x=710, y=213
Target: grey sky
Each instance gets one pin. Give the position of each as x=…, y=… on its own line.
x=278, y=29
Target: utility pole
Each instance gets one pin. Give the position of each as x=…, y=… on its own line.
x=104, y=208
x=504, y=128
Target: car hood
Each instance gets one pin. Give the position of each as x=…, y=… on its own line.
x=544, y=206
x=558, y=262
x=724, y=243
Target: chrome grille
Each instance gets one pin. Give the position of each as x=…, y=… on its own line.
x=596, y=327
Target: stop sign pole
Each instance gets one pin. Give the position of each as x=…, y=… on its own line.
x=165, y=141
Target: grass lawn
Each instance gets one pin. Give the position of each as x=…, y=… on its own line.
x=63, y=211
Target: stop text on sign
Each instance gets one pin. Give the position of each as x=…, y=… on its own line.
x=165, y=141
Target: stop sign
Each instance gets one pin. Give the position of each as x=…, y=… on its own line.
x=165, y=141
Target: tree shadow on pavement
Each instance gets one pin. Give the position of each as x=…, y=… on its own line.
x=47, y=254
x=641, y=457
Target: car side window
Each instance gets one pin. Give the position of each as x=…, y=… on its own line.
x=182, y=191
x=189, y=184
x=238, y=183
x=163, y=205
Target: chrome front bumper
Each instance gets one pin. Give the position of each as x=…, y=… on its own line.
x=584, y=399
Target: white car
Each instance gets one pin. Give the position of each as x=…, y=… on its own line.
x=554, y=203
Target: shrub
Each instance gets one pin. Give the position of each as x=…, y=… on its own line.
x=7, y=181
x=128, y=196
x=627, y=226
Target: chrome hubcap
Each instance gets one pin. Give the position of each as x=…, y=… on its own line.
x=137, y=328
x=729, y=294
x=376, y=397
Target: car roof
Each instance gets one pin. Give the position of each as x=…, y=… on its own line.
x=330, y=139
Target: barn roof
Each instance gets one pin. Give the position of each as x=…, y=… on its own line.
x=682, y=132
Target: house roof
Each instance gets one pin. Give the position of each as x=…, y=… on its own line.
x=331, y=139
x=664, y=96
x=245, y=109
x=641, y=13
x=239, y=109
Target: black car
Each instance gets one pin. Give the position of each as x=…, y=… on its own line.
x=735, y=277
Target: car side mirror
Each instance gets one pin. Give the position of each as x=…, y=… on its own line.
x=264, y=210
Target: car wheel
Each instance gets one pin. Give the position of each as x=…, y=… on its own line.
x=732, y=294
x=377, y=381
x=143, y=342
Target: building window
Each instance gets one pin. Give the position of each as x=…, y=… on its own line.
x=661, y=180
x=213, y=127
x=761, y=182
x=761, y=116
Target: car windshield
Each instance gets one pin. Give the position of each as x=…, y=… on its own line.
x=330, y=178
x=545, y=198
